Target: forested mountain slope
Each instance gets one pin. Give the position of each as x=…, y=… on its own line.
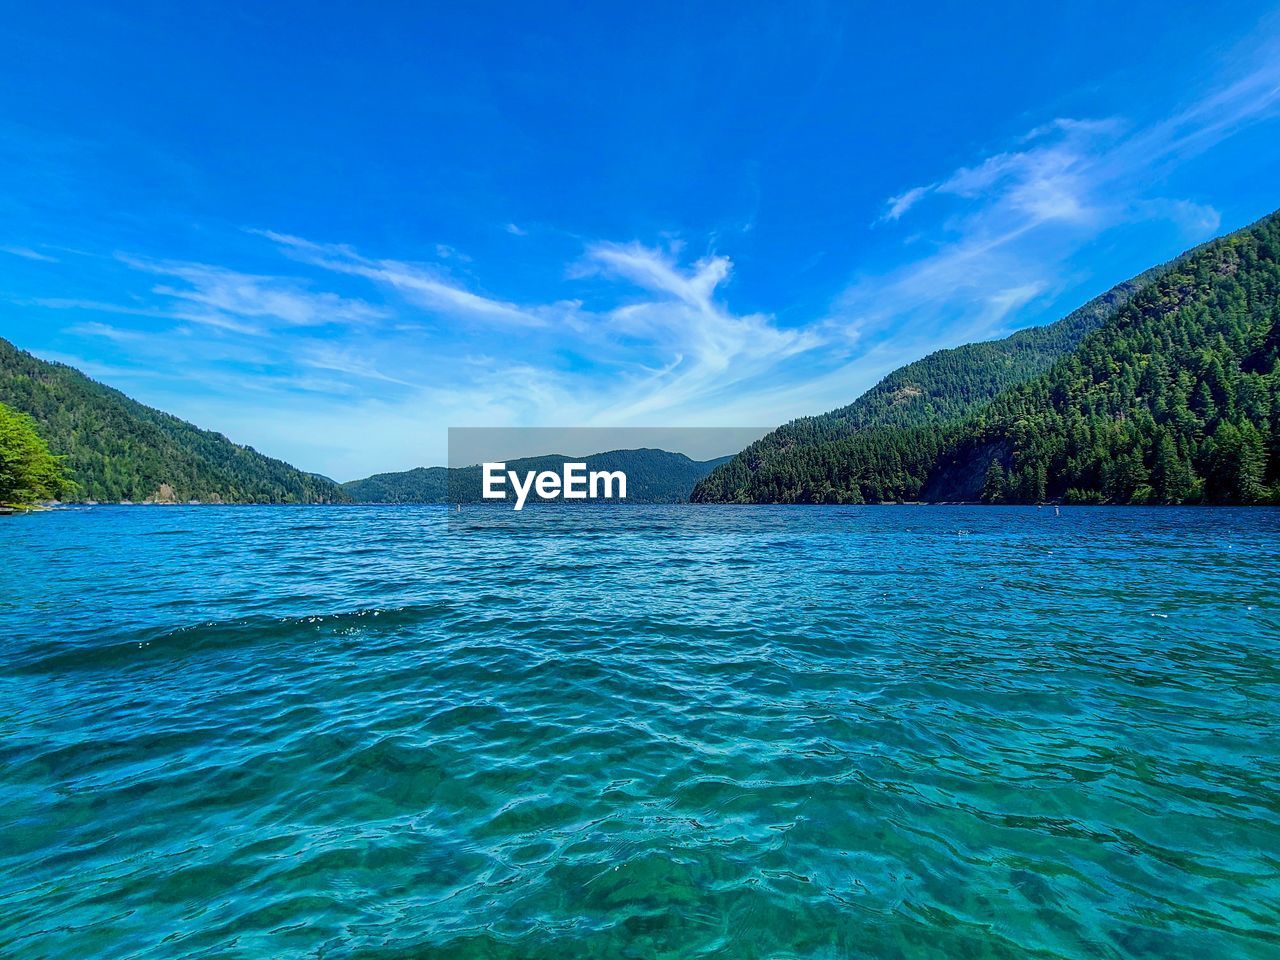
x=419, y=485
x=942, y=387
x=1175, y=386
x=118, y=449
x=949, y=383
x=1177, y=400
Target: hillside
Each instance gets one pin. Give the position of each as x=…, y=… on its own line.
x=1174, y=384
x=1176, y=400
x=118, y=449
x=940, y=388
x=944, y=386
x=419, y=485
x=653, y=476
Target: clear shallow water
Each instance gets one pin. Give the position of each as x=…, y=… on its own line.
x=740, y=732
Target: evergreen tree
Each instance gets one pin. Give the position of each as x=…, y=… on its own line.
x=28, y=472
x=1235, y=463
x=1171, y=474
x=993, y=486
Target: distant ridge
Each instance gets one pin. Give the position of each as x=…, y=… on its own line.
x=950, y=383
x=118, y=449
x=1163, y=390
x=653, y=476
x=419, y=485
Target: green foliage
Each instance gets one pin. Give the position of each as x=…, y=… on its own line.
x=1168, y=395
x=1175, y=400
x=419, y=485
x=29, y=473
x=994, y=485
x=115, y=448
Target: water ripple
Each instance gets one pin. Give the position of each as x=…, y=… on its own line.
x=640, y=732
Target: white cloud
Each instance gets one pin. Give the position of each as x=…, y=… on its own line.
x=1046, y=180
x=345, y=360
x=654, y=271
x=1247, y=99
x=446, y=252
x=1194, y=219
x=662, y=347
x=1009, y=224
x=709, y=350
x=107, y=332
x=28, y=254
x=249, y=303
x=644, y=334
x=676, y=346
x=418, y=282
x=904, y=201
x=95, y=306
x=1002, y=303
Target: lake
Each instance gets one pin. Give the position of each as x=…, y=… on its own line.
x=640, y=732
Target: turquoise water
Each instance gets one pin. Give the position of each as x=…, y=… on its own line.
x=640, y=732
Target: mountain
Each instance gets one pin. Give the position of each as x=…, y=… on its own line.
x=118, y=449
x=1175, y=400
x=653, y=476
x=419, y=485
x=1163, y=390
x=950, y=383
x=942, y=387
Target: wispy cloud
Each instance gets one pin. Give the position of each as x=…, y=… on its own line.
x=372, y=353
x=999, y=233
x=250, y=303
x=345, y=360
x=709, y=349
x=1193, y=219
x=1246, y=99
x=93, y=306
x=107, y=332
x=1047, y=178
x=27, y=253
x=897, y=206
x=673, y=346
x=660, y=344
x=422, y=283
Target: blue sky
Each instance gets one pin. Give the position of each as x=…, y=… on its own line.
x=332, y=232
